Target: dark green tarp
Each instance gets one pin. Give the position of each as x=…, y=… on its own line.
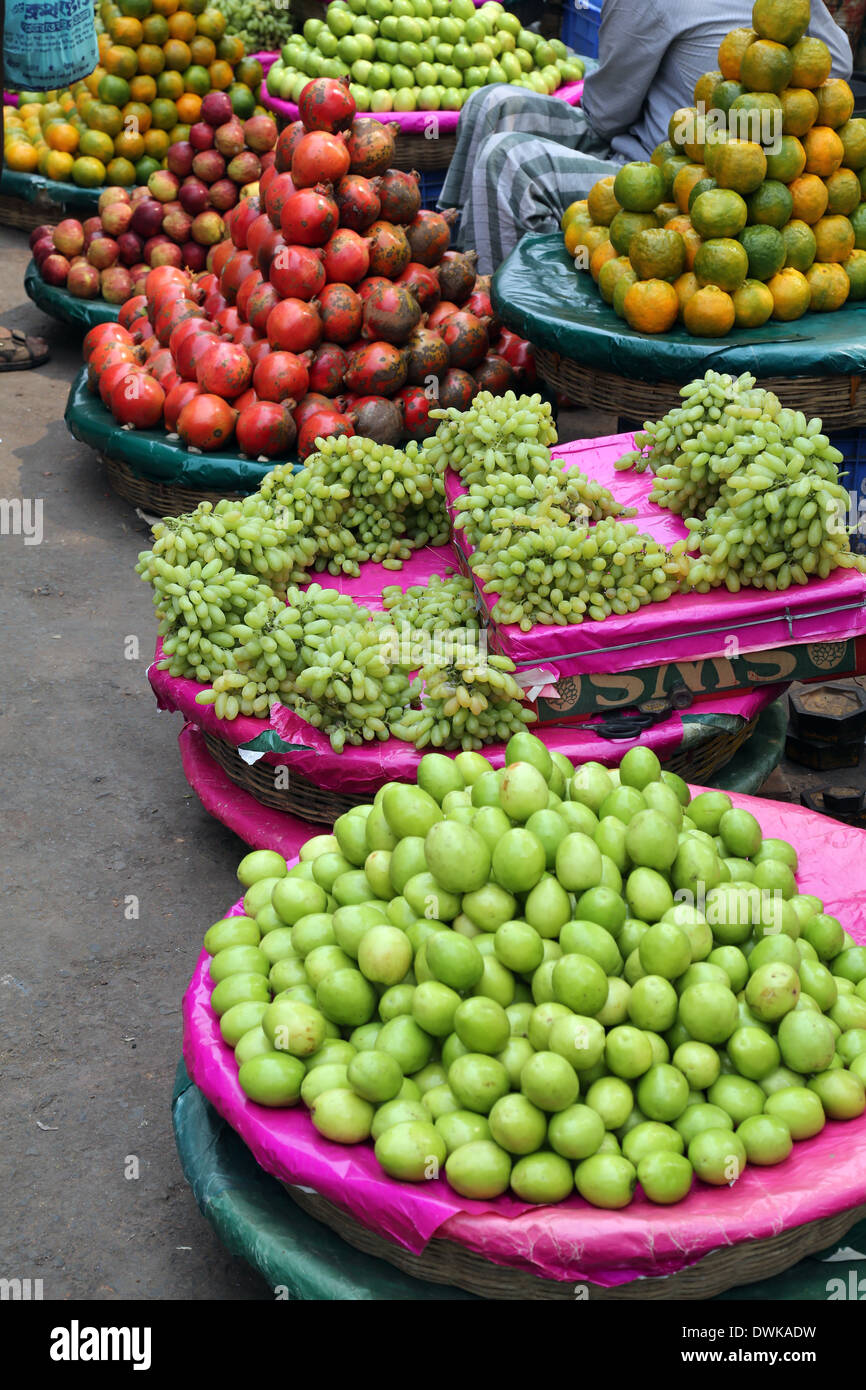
x=60, y=304
x=540, y=295
x=33, y=188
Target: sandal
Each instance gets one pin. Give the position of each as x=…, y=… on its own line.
x=18, y=351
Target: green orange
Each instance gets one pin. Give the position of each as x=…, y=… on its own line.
x=211, y=22
x=156, y=143
x=120, y=172
x=740, y=164
x=242, y=100
x=784, y=21
x=765, y=248
x=788, y=162
x=601, y=202
x=170, y=85
x=231, y=49
x=812, y=62
x=151, y=59
x=164, y=114
x=88, y=172
x=706, y=85
x=624, y=226
x=843, y=190
x=855, y=269
x=828, y=285
x=835, y=102
x=657, y=253
x=610, y=274
x=121, y=61
x=95, y=144
x=791, y=294
x=196, y=80
x=766, y=66
x=221, y=75
x=177, y=55
x=684, y=182
x=772, y=204
x=800, y=244
x=853, y=137
x=799, y=110
x=202, y=50
x=723, y=262
x=719, y=212
x=834, y=237
x=731, y=51
x=624, y=281
x=753, y=304
x=155, y=29
x=810, y=196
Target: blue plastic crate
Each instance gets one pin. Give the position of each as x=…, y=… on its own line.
x=852, y=445
x=580, y=24
x=431, y=184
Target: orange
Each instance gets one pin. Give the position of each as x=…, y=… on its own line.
x=21, y=156
x=221, y=75
x=177, y=55
x=835, y=102
x=691, y=238
x=182, y=26
x=799, y=110
x=853, y=137
x=671, y=168
x=572, y=232
x=609, y=275
x=664, y=212
x=179, y=133
x=156, y=143
x=58, y=165
x=625, y=224
x=791, y=295
x=685, y=182
x=601, y=202
x=589, y=238
x=95, y=144
x=143, y=88
x=784, y=21
x=189, y=106
x=731, y=51
x=720, y=212
x=682, y=126
x=624, y=282
x=60, y=135
x=772, y=204
x=834, y=238
x=651, y=306
x=726, y=94
x=658, y=253
x=605, y=251
x=824, y=151
x=855, y=269
x=114, y=91
x=129, y=144
x=722, y=262
x=103, y=43
x=138, y=112
x=639, y=186
x=169, y=85
x=164, y=113
x=151, y=59
x=93, y=80
x=165, y=7
x=575, y=212
x=810, y=198
x=812, y=62
x=765, y=248
x=202, y=50
x=766, y=66
x=155, y=29
x=121, y=61
x=686, y=285
x=662, y=152
x=211, y=22
x=800, y=245
x=843, y=189
x=88, y=173
x=706, y=85
x=858, y=222
x=828, y=286
x=127, y=30
x=120, y=171
x=106, y=118
x=196, y=80
x=231, y=48
x=753, y=304
x=741, y=165
x=709, y=313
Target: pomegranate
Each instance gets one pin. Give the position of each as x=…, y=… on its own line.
x=258, y=231
x=194, y=256
x=117, y=217
x=428, y=356
x=327, y=104
x=466, y=338
x=179, y=157
x=134, y=308
x=347, y=257
x=137, y=400
x=189, y=353
x=170, y=314
x=268, y=249
x=399, y=195
x=241, y=402
x=366, y=287
x=342, y=312
x=161, y=366
x=377, y=418
x=194, y=196
x=522, y=359
x=457, y=275
x=259, y=305
x=242, y=216
x=415, y=405
x=250, y=282
x=286, y=143
x=294, y=326
x=265, y=428
x=389, y=250
x=309, y=216
x=213, y=305
x=313, y=404
x=208, y=228
x=43, y=248
x=224, y=369
x=358, y=201
x=130, y=247
x=429, y=236
x=440, y=315
x=371, y=146
x=105, y=333
x=216, y=108
x=110, y=377
x=423, y=283
x=456, y=389
x=227, y=320
x=220, y=255
x=43, y=230
x=234, y=272
x=243, y=169
x=297, y=272
x=267, y=179
x=187, y=329
x=480, y=304
x=494, y=373
x=260, y=133
x=281, y=376
x=201, y=135
x=324, y=424
x=85, y=281
x=224, y=194
x=146, y=221
x=229, y=137
x=206, y=422
x=258, y=350
x=319, y=158
x=378, y=369
x=69, y=237
x=391, y=312
x=328, y=369
x=279, y=191
x=176, y=399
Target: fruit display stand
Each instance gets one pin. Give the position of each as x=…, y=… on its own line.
x=715, y=1239
x=68, y=308
x=27, y=200
x=585, y=351
x=151, y=471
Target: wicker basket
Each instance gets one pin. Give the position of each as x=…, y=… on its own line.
x=159, y=499
x=303, y=798
x=446, y=1262
x=417, y=152
x=838, y=400
x=18, y=212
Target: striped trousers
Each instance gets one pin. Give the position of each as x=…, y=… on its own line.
x=521, y=158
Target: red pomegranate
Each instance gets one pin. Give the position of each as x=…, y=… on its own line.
x=248, y=284
x=224, y=369
x=466, y=339
x=170, y=314
x=278, y=193
x=186, y=329
x=234, y=272
x=324, y=424
x=259, y=231
x=378, y=369
x=457, y=275
x=358, y=202
x=521, y=357
x=227, y=320
x=175, y=401
x=375, y=417
x=429, y=236
x=440, y=315
x=319, y=158
x=213, y=305
x=257, y=350
x=416, y=406
x=265, y=428
x=399, y=195
x=294, y=325
x=389, y=250
x=342, y=312
x=297, y=272
x=134, y=308
x=245, y=335
x=391, y=312
x=106, y=333
x=327, y=104
x=112, y=375
x=286, y=144
x=456, y=389
x=206, y=422
x=138, y=401
x=246, y=398
x=281, y=376
x=219, y=256
x=480, y=304
x=428, y=357
x=268, y=248
x=160, y=365
x=259, y=305
x=347, y=257
x=371, y=146
x=314, y=404
x=366, y=287
x=493, y=373
x=309, y=217
x=328, y=369
x=424, y=284
x=240, y=219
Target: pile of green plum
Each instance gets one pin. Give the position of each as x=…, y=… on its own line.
x=542, y=978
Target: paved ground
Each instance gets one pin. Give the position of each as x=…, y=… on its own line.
x=98, y=819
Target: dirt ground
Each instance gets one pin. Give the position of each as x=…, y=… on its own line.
x=112, y=873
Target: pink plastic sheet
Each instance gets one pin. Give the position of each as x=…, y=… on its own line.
x=572, y=1241
x=267, y=60
x=414, y=122
x=688, y=627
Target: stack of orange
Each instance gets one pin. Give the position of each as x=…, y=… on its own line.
x=157, y=60
x=753, y=208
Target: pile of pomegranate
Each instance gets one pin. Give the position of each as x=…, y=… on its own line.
x=173, y=219
x=333, y=307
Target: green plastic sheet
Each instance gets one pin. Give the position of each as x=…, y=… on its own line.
x=60, y=304
x=149, y=454
x=541, y=296
x=33, y=188
x=752, y=764
x=256, y=1219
